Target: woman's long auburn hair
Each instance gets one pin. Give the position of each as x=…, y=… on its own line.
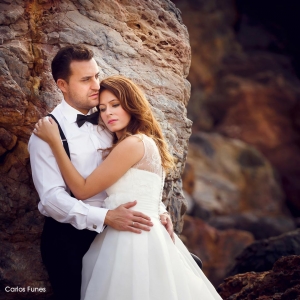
x=142, y=120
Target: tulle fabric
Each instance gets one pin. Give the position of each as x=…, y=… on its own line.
x=122, y=265
x=149, y=266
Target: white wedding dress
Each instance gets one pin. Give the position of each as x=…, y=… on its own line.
x=122, y=265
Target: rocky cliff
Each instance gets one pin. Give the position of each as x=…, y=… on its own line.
x=245, y=78
x=243, y=171
x=144, y=40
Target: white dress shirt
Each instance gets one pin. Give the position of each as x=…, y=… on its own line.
x=84, y=143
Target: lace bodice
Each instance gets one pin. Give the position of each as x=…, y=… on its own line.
x=143, y=182
x=151, y=160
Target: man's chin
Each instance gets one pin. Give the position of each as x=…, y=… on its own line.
x=94, y=102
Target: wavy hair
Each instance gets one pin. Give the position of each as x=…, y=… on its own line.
x=134, y=102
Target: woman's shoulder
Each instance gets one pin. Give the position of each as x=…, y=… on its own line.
x=130, y=147
x=139, y=140
x=132, y=141
x=143, y=136
x=147, y=140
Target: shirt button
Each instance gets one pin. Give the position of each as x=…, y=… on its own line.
x=95, y=226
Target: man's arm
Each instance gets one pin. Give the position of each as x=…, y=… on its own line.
x=56, y=202
x=54, y=198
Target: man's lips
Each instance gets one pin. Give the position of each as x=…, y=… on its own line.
x=111, y=121
x=94, y=95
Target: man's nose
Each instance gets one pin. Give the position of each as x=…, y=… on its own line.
x=95, y=84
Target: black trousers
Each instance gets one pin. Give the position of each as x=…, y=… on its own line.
x=62, y=248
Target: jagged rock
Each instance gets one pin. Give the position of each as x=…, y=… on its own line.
x=231, y=185
x=144, y=40
x=188, y=179
x=232, y=178
x=210, y=26
x=216, y=248
x=260, y=226
x=261, y=255
x=281, y=283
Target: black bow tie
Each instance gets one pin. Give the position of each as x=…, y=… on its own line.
x=92, y=118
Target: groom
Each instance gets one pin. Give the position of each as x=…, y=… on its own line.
x=71, y=225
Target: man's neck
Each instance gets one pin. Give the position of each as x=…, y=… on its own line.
x=79, y=109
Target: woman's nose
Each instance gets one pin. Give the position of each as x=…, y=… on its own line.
x=108, y=111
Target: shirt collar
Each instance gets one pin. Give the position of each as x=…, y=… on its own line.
x=69, y=112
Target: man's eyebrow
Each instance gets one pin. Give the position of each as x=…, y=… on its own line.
x=88, y=77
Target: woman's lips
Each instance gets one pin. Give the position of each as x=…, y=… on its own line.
x=111, y=121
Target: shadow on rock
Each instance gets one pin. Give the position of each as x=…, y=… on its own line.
x=261, y=255
x=282, y=282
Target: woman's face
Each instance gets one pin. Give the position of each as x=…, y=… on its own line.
x=115, y=118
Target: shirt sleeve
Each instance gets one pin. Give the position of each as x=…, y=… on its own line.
x=55, y=200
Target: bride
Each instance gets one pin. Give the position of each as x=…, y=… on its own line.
x=119, y=264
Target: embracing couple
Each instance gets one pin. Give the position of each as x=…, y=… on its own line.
x=100, y=177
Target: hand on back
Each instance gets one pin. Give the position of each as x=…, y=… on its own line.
x=124, y=219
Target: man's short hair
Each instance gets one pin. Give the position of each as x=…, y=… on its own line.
x=60, y=65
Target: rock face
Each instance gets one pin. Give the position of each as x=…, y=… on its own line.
x=236, y=192
x=261, y=255
x=281, y=283
x=144, y=40
x=259, y=225
x=216, y=248
x=244, y=83
x=234, y=186
x=232, y=177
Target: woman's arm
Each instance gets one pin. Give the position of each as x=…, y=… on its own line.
x=118, y=162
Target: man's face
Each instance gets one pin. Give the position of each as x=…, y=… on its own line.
x=82, y=90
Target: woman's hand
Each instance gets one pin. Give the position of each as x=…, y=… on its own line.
x=47, y=130
x=165, y=219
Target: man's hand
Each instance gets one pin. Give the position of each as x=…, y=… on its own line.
x=165, y=219
x=124, y=219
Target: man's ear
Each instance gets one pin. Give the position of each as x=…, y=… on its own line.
x=62, y=85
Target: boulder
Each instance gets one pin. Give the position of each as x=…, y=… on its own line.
x=143, y=40
x=261, y=255
x=232, y=177
x=230, y=184
x=261, y=227
x=216, y=248
x=280, y=283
